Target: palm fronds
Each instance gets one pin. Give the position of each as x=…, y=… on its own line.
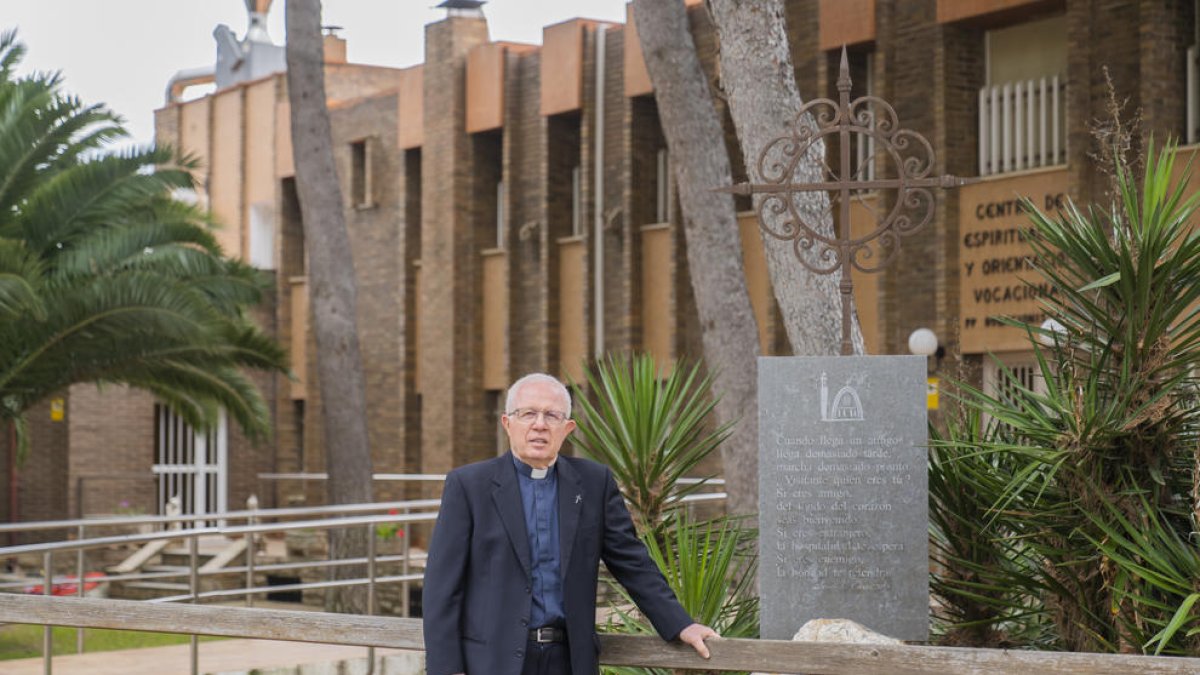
x=105, y=276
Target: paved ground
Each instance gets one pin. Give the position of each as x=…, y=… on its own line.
x=215, y=657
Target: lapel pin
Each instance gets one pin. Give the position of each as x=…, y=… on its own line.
x=578, y=498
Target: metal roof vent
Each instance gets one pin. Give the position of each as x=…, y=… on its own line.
x=257, y=31
x=464, y=8
x=252, y=57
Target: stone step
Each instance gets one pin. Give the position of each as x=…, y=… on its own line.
x=166, y=568
x=174, y=587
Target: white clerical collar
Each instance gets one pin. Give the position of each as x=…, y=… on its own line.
x=535, y=473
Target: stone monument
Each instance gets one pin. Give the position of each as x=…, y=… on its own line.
x=843, y=496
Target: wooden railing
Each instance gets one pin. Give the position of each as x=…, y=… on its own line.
x=617, y=650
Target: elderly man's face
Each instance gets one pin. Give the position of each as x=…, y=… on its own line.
x=537, y=441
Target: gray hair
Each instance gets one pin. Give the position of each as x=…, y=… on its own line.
x=530, y=379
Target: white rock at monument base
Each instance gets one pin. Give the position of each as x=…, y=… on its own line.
x=842, y=631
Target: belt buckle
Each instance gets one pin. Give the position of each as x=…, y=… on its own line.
x=547, y=631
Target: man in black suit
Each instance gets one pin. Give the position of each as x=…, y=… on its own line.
x=510, y=582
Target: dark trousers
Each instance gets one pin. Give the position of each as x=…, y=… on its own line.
x=546, y=658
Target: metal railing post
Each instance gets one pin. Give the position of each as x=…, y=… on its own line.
x=370, y=590
x=251, y=505
x=194, y=586
x=79, y=586
x=405, y=610
x=47, y=630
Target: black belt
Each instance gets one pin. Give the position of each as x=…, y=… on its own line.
x=547, y=634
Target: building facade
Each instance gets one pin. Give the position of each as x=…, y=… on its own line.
x=511, y=209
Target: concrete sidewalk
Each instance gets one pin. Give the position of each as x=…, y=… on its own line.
x=219, y=656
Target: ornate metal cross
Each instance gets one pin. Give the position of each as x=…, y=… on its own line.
x=905, y=152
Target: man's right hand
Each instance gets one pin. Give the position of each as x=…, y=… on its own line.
x=695, y=635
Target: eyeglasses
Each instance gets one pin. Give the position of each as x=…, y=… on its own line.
x=553, y=418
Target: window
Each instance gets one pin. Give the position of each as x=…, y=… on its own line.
x=360, y=175
x=1192, y=131
x=664, y=186
x=262, y=236
x=576, y=202
x=494, y=405
x=862, y=66
x=1022, y=106
x=500, y=231
x=298, y=420
x=1026, y=373
x=190, y=466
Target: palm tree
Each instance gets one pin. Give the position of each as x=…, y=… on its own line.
x=107, y=277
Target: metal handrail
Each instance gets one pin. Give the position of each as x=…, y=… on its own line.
x=321, y=475
x=238, y=569
x=324, y=524
x=192, y=537
x=271, y=513
x=235, y=592
x=224, y=515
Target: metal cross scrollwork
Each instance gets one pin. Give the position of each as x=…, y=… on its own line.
x=902, y=154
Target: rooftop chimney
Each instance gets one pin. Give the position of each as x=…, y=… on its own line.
x=334, y=46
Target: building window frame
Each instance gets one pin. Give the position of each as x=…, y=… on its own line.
x=362, y=192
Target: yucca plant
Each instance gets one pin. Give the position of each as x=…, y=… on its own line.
x=710, y=566
x=1088, y=486
x=651, y=428
x=986, y=593
x=105, y=276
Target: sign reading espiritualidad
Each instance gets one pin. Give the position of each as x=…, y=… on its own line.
x=997, y=277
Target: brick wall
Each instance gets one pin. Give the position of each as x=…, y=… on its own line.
x=376, y=242
x=112, y=448
x=620, y=307
x=452, y=398
x=42, y=483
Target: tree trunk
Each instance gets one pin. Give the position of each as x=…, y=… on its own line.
x=760, y=84
x=332, y=294
x=698, y=154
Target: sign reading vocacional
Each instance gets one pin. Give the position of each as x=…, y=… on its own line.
x=995, y=258
x=843, y=493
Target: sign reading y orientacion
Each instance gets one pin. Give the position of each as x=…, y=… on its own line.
x=995, y=259
x=843, y=493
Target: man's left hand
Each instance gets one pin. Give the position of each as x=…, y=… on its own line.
x=695, y=635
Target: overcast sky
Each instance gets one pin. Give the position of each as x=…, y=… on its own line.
x=122, y=52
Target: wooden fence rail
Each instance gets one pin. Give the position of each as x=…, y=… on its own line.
x=617, y=650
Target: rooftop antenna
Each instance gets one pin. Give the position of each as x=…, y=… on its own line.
x=464, y=8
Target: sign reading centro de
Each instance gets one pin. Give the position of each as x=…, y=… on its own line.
x=995, y=259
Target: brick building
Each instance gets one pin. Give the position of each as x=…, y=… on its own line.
x=510, y=209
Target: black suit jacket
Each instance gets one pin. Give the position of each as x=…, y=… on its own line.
x=477, y=595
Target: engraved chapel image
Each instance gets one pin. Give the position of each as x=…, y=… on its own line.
x=843, y=488
x=847, y=407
